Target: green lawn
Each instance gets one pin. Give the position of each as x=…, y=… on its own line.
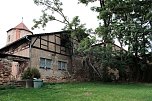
x=80, y=92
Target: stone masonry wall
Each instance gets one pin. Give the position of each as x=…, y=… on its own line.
x=5, y=71
x=80, y=70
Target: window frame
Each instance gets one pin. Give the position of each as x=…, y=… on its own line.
x=62, y=65
x=46, y=63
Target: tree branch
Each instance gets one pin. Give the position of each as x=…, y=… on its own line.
x=60, y=21
x=61, y=13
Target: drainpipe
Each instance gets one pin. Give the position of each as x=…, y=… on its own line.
x=30, y=50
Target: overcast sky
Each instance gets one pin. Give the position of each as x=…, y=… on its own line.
x=12, y=11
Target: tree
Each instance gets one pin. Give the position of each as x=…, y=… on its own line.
x=51, y=7
x=129, y=21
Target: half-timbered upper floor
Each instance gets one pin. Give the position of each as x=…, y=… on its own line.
x=56, y=42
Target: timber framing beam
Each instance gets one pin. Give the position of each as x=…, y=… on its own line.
x=14, y=57
x=44, y=45
x=50, y=51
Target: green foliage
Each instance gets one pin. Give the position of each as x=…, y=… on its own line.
x=31, y=73
x=86, y=45
x=86, y=1
x=5, y=87
x=128, y=21
x=78, y=30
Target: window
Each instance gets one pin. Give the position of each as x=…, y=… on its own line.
x=45, y=63
x=62, y=65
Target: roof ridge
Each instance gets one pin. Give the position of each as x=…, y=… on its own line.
x=22, y=26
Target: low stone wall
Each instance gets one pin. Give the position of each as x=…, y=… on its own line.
x=5, y=71
x=80, y=70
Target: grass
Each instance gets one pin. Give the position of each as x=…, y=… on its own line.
x=80, y=92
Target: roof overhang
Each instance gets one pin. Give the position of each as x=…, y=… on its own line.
x=14, y=57
x=19, y=29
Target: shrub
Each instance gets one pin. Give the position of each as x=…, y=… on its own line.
x=4, y=87
x=31, y=73
x=35, y=73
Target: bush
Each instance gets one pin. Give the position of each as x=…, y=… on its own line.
x=7, y=87
x=31, y=73
x=2, y=87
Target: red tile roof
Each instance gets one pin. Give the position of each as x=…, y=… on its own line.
x=22, y=26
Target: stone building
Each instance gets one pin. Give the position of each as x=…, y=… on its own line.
x=49, y=52
x=8, y=70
